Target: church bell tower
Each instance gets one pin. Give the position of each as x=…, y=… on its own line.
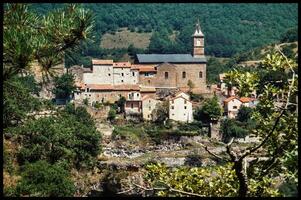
x=198, y=42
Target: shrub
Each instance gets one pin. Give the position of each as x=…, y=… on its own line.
x=111, y=114
x=45, y=180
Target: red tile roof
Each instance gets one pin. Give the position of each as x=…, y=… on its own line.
x=144, y=68
x=98, y=86
x=127, y=87
x=246, y=99
x=102, y=62
x=122, y=64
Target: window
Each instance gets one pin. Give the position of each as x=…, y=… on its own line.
x=234, y=107
x=198, y=42
x=148, y=81
x=146, y=74
x=201, y=75
x=185, y=107
x=137, y=94
x=183, y=74
x=166, y=75
x=109, y=74
x=133, y=73
x=148, y=101
x=149, y=108
x=121, y=81
x=185, y=101
x=172, y=101
x=132, y=105
x=148, y=116
x=122, y=74
x=172, y=107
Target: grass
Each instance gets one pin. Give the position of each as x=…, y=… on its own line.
x=124, y=38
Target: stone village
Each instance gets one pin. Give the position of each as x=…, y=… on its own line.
x=154, y=78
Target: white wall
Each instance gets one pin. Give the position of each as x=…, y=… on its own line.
x=178, y=112
x=125, y=76
x=102, y=74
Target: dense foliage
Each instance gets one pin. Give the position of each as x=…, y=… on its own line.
x=41, y=179
x=228, y=28
x=18, y=100
x=63, y=86
x=43, y=143
x=210, y=111
x=66, y=137
x=219, y=181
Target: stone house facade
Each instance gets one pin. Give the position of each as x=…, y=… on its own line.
x=148, y=105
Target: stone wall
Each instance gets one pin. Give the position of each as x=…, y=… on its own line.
x=125, y=76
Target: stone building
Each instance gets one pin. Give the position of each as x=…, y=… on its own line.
x=148, y=105
x=175, y=70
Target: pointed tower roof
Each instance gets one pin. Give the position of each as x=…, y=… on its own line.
x=198, y=31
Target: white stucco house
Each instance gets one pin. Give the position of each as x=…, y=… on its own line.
x=180, y=108
x=233, y=104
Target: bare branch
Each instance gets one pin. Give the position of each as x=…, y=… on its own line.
x=248, y=152
x=170, y=189
x=213, y=154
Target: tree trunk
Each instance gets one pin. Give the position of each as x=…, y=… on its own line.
x=242, y=177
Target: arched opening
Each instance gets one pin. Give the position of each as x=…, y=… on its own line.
x=166, y=75
x=200, y=74
x=183, y=74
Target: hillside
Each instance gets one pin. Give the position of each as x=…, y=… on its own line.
x=247, y=60
x=124, y=38
x=228, y=28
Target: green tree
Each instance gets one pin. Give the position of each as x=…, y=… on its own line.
x=210, y=111
x=230, y=128
x=244, y=114
x=112, y=114
x=28, y=37
x=41, y=179
x=120, y=103
x=18, y=100
x=277, y=128
x=64, y=86
x=161, y=112
x=66, y=137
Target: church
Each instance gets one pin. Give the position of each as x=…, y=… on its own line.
x=148, y=75
x=175, y=70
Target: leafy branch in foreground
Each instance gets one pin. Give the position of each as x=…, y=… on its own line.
x=28, y=37
x=277, y=127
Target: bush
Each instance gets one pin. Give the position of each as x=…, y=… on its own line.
x=45, y=180
x=231, y=128
x=112, y=114
x=71, y=136
x=63, y=86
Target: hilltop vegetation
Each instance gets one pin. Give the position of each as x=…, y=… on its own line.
x=228, y=28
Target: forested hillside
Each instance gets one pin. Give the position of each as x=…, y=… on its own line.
x=228, y=28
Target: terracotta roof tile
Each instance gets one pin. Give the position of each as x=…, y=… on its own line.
x=246, y=99
x=102, y=62
x=144, y=68
x=121, y=64
x=127, y=87
x=99, y=86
